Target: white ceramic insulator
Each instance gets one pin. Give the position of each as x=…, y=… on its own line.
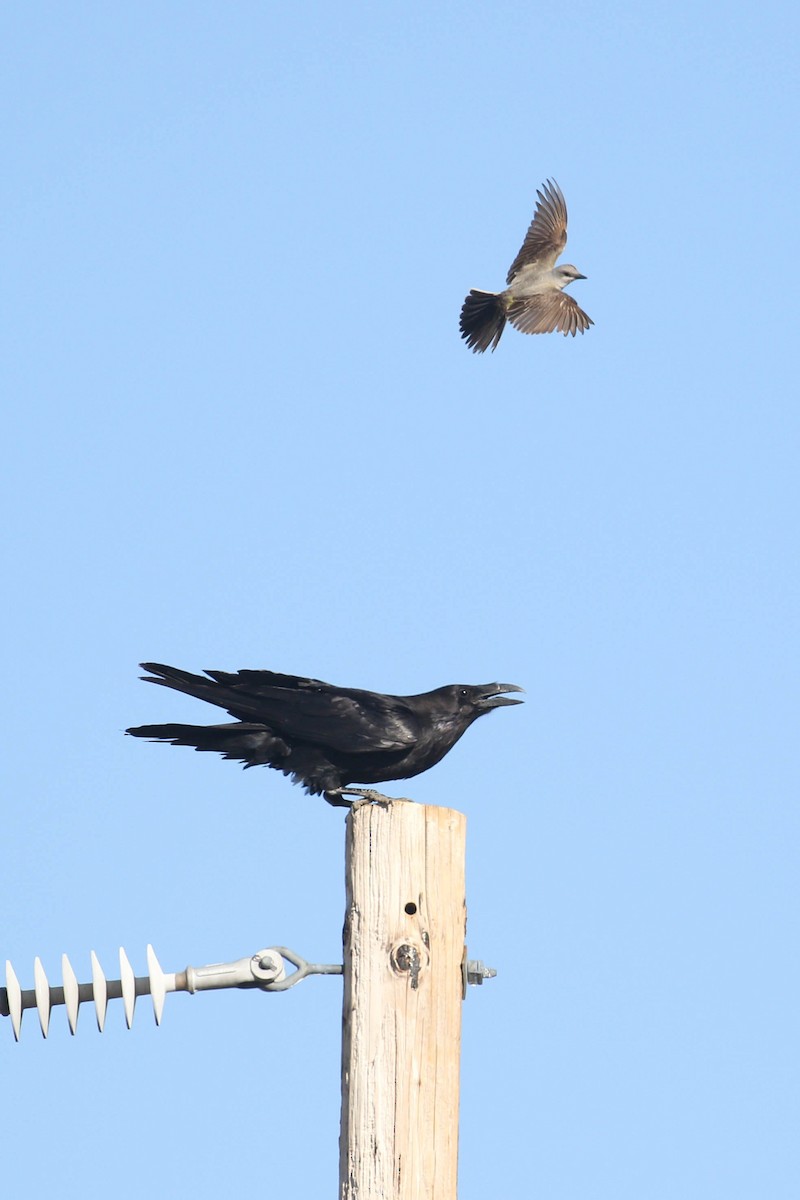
x=42, y=989
x=14, y=993
x=100, y=992
x=128, y=981
x=71, y=995
x=157, y=983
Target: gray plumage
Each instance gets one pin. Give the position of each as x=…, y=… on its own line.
x=534, y=301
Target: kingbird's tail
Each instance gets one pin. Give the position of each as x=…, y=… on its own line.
x=483, y=319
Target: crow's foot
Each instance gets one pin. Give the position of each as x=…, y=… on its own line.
x=336, y=797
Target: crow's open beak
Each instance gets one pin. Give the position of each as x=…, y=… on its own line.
x=493, y=698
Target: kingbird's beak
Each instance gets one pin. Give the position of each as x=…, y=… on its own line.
x=581, y=276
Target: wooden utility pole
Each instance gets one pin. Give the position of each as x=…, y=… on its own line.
x=403, y=948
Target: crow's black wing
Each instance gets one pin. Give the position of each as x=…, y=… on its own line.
x=351, y=722
x=347, y=720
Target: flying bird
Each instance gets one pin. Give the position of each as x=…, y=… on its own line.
x=534, y=301
x=325, y=737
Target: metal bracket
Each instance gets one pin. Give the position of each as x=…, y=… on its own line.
x=265, y=970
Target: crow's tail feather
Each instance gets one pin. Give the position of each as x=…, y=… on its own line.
x=251, y=744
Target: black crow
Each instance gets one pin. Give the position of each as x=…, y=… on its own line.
x=325, y=737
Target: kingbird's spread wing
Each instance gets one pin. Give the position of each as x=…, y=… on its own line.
x=549, y=312
x=547, y=235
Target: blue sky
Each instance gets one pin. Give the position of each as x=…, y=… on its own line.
x=241, y=431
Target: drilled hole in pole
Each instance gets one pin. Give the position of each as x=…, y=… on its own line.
x=410, y=908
